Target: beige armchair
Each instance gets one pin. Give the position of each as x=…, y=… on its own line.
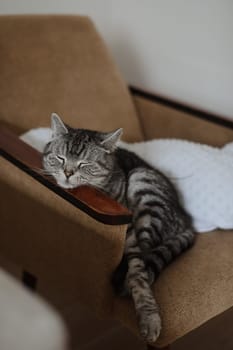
x=60, y=64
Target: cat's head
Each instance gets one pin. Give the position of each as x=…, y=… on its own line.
x=76, y=157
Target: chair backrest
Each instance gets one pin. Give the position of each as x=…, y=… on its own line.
x=60, y=64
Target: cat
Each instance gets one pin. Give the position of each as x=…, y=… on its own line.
x=160, y=229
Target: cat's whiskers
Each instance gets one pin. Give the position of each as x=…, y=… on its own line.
x=45, y=172
x=176, y=178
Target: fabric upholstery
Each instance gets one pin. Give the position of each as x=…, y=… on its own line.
x=158, y=120
x=197, y=287
x=60, y=64
x=52, y=63
x=71, y=254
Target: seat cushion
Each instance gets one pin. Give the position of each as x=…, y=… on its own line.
x=60, y=64
x=194, y=289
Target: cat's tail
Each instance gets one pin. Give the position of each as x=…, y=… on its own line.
x=161, y=256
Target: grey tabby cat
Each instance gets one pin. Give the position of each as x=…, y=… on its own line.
x=160, y=229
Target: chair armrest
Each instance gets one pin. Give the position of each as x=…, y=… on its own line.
x=162, y=118
x=71, y=246
x=90, y=200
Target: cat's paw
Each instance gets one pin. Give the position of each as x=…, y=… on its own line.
x=150, y=327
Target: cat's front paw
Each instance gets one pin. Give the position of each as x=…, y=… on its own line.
x=150, y=326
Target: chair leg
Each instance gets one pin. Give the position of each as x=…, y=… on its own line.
x=149, y=347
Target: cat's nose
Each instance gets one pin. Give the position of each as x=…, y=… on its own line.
x=68, y=173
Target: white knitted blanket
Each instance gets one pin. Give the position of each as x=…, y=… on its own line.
x=203, y=175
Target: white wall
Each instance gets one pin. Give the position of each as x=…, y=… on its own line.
x=180, y=49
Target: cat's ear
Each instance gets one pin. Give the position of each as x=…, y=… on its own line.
x=57, y=126
x=109, y=140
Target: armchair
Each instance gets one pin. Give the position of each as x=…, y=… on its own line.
x=60, y=64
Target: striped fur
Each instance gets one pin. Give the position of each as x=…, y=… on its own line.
x=160, y=230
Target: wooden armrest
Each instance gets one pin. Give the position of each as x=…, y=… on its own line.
x=88, y=199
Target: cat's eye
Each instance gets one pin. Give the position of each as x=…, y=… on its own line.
x=61, y=159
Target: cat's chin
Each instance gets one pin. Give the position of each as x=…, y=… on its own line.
x=67, y=185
